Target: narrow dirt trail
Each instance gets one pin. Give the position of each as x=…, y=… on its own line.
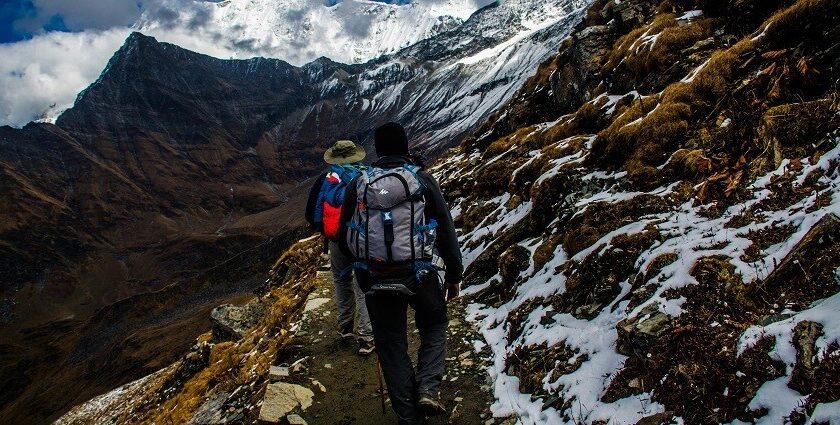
x=345, y=383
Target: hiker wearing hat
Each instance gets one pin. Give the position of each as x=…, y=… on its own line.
x=393, y=221
x=323, y=211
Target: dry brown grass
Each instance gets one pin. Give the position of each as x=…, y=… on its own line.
x=602, y=218
x=690, y=164
x=521, y=137
x=791, y=130
x=545, y=251
x=622, y=48
x=665, y=121
x=668, y=46
x=789, y=26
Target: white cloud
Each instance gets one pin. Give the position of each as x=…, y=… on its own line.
x=43, y=75
x=83, y=14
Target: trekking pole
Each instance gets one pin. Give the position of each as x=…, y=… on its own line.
x=381, y=386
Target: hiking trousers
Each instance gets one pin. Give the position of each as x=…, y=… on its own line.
x=352, y=310
x=388, y=313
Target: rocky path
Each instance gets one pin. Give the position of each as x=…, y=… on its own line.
x=345, y=385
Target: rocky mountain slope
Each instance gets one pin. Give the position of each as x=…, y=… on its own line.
x=176, y=177
x=651, y=223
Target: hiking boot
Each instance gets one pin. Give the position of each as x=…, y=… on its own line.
x=366, y=347
x=431, y=405
x=347, y=333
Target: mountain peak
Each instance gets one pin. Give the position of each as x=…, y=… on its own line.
x=137, y=39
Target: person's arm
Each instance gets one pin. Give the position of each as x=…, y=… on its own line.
x=347, y=211
x=313, y=199
x=447, y=239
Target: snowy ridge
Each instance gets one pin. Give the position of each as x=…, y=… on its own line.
x=447, y=95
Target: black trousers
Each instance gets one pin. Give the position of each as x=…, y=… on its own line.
x=388, y=315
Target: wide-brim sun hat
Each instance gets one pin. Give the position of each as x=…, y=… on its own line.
x=344, y=152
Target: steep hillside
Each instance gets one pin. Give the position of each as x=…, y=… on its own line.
x=237, y=370
x=651, y=223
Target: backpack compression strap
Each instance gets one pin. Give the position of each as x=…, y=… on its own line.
x=388, y=224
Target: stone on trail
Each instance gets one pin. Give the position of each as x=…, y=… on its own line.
x=295, y=420
x=276, y=373
x=314, y=303
x=319, y=385
x=282, y=398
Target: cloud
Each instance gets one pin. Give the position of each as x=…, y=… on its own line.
x=81, y=15
x=43, y=75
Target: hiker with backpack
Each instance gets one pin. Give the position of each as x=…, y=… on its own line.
x=323, y=212
x=394, y=217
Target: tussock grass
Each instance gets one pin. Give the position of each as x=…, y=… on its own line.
x=643, y=136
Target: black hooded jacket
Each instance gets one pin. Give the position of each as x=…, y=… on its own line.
x=436, y=208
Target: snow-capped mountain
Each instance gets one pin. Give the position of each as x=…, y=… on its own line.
x=299, y=31
x=442, y=87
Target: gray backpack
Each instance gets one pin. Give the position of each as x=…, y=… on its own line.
x=388, y=234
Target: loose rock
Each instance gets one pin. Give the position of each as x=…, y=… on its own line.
x=276, y=373
x=282, y=398
x=295, y=420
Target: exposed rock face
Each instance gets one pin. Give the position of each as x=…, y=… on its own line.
x=213, y=412
x=806, y=270
x=230, y=321
x=804, y=337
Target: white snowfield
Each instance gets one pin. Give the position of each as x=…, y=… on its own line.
x=300, y=31
x=688, y=235
x=443, y=87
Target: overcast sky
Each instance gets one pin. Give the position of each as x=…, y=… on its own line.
x=52, y=49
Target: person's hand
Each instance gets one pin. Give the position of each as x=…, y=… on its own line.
x=453, y=290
